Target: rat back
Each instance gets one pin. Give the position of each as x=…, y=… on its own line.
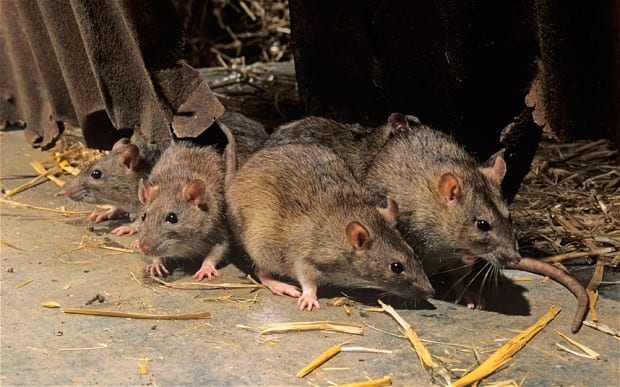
x=451, y=207
x=292, y=207
x=356, y=144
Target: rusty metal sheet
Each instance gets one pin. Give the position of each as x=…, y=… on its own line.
x=112, y=68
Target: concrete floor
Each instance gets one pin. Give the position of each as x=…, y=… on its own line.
x=41, y=346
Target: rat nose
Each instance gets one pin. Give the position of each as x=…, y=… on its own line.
x=145, y=247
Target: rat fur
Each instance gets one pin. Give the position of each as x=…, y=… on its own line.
x=300, y=213
x=184, y=209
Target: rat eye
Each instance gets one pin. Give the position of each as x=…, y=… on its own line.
x=483, y=225
x=397, y=267
x=143, y=216
x=171, y=217
x=96, y=174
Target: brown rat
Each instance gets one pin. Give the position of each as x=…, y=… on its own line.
x=356, y=144
x=184, y=209
x=113, y=179
x=452, y=209
x=299, y=212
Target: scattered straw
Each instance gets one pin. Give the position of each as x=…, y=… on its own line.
x=42, y=170
x=13, y=203
x=29, y=184
x=21, y=285
x=50, y=304
x=587, y=352
x=205, y=285
x=101, y=346
x=7, y=244
x=314, y=364
x=505, y=353
x=334, y=326
x=113, y=313
x=432, y=367
x=602, y=328
x=385, y=381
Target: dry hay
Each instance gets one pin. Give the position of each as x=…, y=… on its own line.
x=570, y=201
x=258, y=30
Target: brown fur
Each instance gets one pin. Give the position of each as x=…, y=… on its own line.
x=188, y=181
x=442, y=191
x=299, y=212
x=249, y=135
x=356, y=144
x=113, y=179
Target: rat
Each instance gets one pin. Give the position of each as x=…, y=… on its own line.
x=357, y=144
x=299, y=212
x=113, y=179
x=184, y=209
x=452, y=208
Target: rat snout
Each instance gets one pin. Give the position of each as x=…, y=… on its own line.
x=145, y=246
x=426, y=290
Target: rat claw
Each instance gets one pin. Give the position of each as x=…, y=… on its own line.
x=124, y=230
x=308, y=301
x=206, y=270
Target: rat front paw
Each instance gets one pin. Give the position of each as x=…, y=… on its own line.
x=471, y=300
x=112, y=213
x=157, y=268
x=207, y=271
x=125, y=230
x=308, y=301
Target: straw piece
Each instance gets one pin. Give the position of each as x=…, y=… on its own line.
x=28, y=184
x=505, y=353
x=50, y=304
x=314, y=364
x=577, y=254
x=602, y=327
x=13, y=203
x=113, y=313
x=589, y=353
x=427, y=361
x=593, y=296
x=7, y=244
x=201, y=285
x=385, y=381
x=21, y=285
x=334, y=326
x=41, y=169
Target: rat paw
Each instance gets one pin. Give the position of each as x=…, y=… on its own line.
x=157, y=269
x=207, y=271
x=471, y=300
x=281, y=289
x=124, y=230
x=308, y=301
x=112, y=213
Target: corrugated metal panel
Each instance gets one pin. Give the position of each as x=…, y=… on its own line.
x=109, y=67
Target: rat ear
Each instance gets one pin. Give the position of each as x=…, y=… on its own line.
x=121, y=143
x=449, y=187
x=398, y=122
x=358, y=236
x=195, y=192
x=146, y=191
x=130, y=156
x=498, y=170
x=390, y=213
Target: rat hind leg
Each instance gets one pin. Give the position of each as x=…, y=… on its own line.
x=277, y=287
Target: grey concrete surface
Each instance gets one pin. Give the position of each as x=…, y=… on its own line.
x=41, y=346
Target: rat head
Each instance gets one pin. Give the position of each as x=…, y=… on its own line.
x=378, y=257
x=179, y=221
x=111, y=179
x=477, y=220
